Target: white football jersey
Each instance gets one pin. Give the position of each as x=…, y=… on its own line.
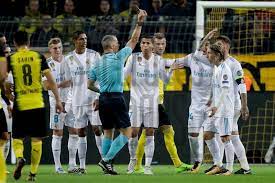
x=58, y=75
x=201, y=73
x=145, y=75
x=76, y=69
x=237, y=73
x=222, y=78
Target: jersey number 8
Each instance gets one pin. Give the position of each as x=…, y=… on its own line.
x=27, y=77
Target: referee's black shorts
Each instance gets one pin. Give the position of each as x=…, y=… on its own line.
x=29, y=123
x=3, y=122
x=113, y=111
x=163, y=116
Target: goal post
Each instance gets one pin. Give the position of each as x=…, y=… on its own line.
x=202, y=5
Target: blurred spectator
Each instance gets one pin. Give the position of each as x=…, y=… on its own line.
x=181, y=8
x=12, y=8
x=43, y=34
x=155, y=9
x=104, y=8
x=104, y=23
x=128, y=14
x=3, y=39
x=31, y=21
x=117, y=4
x=104, y=14
x=67, y=23
x=7, y=50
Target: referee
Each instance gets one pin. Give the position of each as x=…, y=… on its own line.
x=108, y=72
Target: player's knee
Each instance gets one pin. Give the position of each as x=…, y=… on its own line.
x=58, y=132
x=97, y=130
x=5, y=136
x=72, y=131
x=208, y=135
x=225, y=138
x=134, y=132
x=165, y=127
x=150, y=131
x=193, y=134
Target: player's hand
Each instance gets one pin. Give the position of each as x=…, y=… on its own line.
x=209, y=103
x=96, y=104
x=213, y=111
x=245, y=112
x=142, y=14
x=212, y=33
x=176, y=66
x=9, y=110
x=59, y=107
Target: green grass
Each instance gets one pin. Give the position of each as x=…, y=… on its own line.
x=165, y=173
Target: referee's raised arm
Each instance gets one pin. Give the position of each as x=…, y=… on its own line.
x=136, y=33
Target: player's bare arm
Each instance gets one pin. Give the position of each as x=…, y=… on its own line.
x=53, y=87
x=136, y=33
x=92, y=86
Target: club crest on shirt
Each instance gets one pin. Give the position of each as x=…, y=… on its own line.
x=239, y=73
x=139, y=59
x=52, y=66
x=225, y=77
x=88, y=61
x=71, y=60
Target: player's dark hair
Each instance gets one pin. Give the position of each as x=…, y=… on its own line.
x=21, y=38
x=146, y=36
x=76, y=34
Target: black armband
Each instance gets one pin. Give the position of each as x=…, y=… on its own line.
x=5, y=98
x=139, y=23
x=240, y=81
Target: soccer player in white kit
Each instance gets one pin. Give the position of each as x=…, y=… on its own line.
x=201, y=72
x=77, y=65
x=7, y=104
x=240, y=106
x=165, y=125
x=222, y=107
x=145, y=69
x=58, y=120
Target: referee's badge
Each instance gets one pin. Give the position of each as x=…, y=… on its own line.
x=139, y=59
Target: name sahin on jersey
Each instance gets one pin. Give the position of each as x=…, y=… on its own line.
x=25, y=59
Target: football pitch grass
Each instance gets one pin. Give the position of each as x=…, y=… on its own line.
x=162, y=173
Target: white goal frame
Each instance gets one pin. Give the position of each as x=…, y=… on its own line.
x=201, y=5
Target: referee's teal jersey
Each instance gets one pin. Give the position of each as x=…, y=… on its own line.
x=108, y=71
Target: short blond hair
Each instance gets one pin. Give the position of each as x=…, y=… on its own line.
x=55, y=40
x=159, y=35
